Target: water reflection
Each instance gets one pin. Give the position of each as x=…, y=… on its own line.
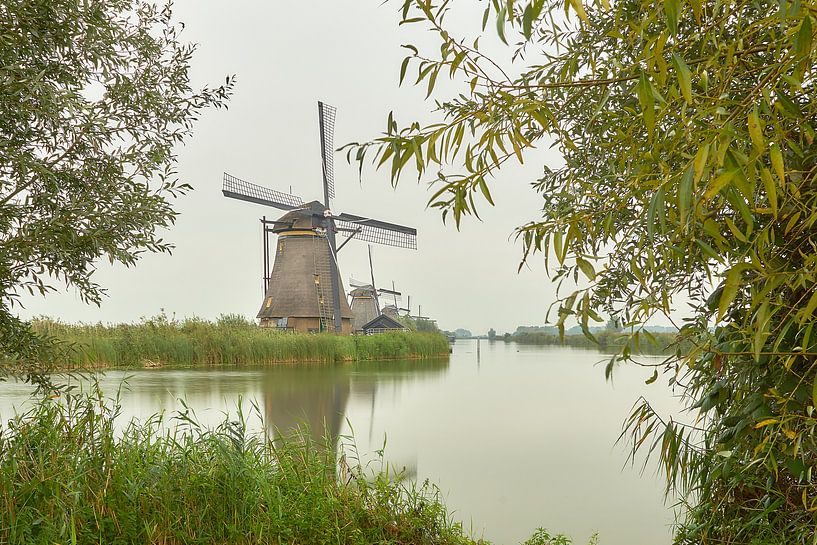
x=313, y=399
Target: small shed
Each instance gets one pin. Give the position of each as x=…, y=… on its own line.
x=381, y=324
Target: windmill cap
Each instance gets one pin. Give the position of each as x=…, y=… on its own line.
x=362, y=291
x=309, y=216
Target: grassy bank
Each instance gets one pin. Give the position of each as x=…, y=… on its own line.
x=228, y=341
x=607, y=341
x=67, y=477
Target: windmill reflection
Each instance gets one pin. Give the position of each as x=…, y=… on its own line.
x=307, y=399
x=312, y=400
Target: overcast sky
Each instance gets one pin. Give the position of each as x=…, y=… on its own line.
x=287, y=56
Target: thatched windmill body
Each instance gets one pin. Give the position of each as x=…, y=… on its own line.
x=365, y=299
x=364, y=306
x=303, y=292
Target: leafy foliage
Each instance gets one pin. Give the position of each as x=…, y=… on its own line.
x=94, y=97
x=421, y=324
x=687, y=132
x=543, y=537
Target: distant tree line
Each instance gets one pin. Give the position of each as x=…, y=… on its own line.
x=419, y=324
x=654, y=340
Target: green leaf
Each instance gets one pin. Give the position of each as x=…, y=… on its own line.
x=761, y=322
x=803, y=38
x=531, y=13
x=755, y=130
x=558, y=241
x=411, y=48
x=701, y=156
x=730, y=290
x=771, y=189
x=653, y=378
x=696, y=9
x=684, y=77
x=586, y=268
x=539, y=116
x=647, y=101
x=814, y=392
x=458, y=58
x=578, y=7
x=735, y=231
x=708, y=250
x=672, y=9
x=808, y=311
x=431, y=81
x=718, y=183
x=776, y=157
x=484, y=188
x=403, y=68
x=500, y=24
x=685, y=194
x=656, y=207
x=767, y=422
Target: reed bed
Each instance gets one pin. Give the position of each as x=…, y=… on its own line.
x=69, y=475
x=230, y=340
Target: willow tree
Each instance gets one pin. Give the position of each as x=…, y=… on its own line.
x=94, y=96
x=687, y=131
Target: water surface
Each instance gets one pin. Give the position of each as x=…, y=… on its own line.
x=515, y=438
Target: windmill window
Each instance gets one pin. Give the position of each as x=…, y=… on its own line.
x=317, y=279
x=280, y=246
x=268, y=304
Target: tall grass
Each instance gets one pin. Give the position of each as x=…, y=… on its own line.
x=67, y=476
x=229, y=341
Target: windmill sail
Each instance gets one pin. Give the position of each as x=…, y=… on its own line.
x=371, y=270
x=326, y=119
x=236, y=188
x=379, y=232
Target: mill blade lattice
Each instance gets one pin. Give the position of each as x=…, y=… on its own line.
x=326, y=119
x=236, y=188
x=379, y=232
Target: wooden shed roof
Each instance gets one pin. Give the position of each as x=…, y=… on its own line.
x=383, y=322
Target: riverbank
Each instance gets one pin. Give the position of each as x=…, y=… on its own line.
x=66, y=476
x=655, y=343
x=228, y=341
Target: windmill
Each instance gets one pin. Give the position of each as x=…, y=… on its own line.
x=420, y=315
x=407, y=310
x=393, y=310
x=303, y=290
x=365, y=299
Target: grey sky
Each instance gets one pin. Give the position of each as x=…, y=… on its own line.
x=288, y=55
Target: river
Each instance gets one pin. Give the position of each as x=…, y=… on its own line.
x=515, y=437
